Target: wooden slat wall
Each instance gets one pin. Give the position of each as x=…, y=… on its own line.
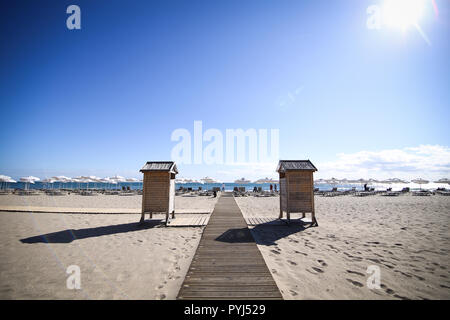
x=283, y=194
x=300, y=195
x=156, y=192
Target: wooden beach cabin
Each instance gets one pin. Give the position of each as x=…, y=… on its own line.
x=297, y=188
x=158, y=195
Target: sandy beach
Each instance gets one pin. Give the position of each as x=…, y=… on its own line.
x=406, y=236
x=117, y=258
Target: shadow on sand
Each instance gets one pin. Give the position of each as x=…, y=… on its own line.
x=69, y=235
x=264, y=234
x=267, y=234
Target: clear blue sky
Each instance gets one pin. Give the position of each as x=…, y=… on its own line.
x=104, y=99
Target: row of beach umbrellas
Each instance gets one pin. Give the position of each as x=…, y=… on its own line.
x=418, y=181
x=115, y=180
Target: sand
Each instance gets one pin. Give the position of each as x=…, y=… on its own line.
x=117, y=258
x=407, y=237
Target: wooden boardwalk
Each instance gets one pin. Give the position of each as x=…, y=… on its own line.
x=228, y=264
x=198, y=220
x=254, y=221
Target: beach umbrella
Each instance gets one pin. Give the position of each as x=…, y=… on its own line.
x=397, y=180
x=95, y=180
x=180, y=180
x=5, y=180
x=118, y=179
x=420, y=182
x=393, y=181
x=443, y=180
x=77, y=180
x=362, y=181
x=10, y=180
x=48, y=181
x=61, y=179
x=332, y=181
x=132, y=180
x=86, y=179
x=28, y=180
x=106, y=181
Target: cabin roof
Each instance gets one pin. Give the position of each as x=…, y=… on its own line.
x=295, y=165
x=168, y=166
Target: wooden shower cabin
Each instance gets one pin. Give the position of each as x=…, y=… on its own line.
x=297, y=188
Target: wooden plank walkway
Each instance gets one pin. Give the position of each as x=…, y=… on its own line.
x=254, y=221
x=199, y=220
x=227, y=263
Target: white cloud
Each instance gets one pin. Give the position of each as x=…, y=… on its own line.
x=426, y=161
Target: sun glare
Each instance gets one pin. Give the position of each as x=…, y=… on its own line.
x=402, y=13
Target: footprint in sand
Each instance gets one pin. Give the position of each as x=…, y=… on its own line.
x=274, y=271
x=355, y=283
x=355, y=272
x=275, y=251
x=293, y=293
x=403, y=273
x=317, y=270
x=322, y=263
x=389, y=291
x=292, y=262
x=374, y=260
x=305, y=254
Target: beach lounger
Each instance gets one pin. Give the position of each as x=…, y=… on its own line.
x=421, y=193
x=364, y=193
x=88, y=193
x=391, y=194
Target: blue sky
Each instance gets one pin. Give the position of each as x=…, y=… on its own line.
x=104, y=99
